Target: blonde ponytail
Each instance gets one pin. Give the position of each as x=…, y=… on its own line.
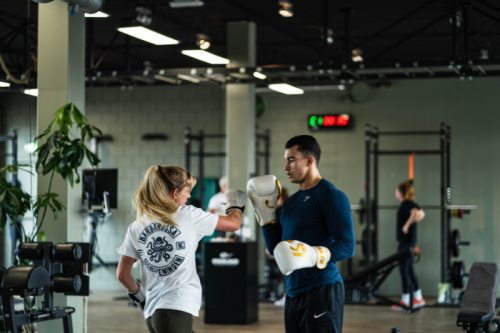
x=154, y=196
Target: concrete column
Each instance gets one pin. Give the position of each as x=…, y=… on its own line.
x=240, y=109
x=61, y=79
x=240, y=120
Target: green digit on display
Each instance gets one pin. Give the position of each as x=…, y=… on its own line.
x=320, y=121
x=312, y=121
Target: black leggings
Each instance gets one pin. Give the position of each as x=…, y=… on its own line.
x=170, y=321
x=408, y=277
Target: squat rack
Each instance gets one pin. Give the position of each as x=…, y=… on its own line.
x=201, y=154
x=369, y=208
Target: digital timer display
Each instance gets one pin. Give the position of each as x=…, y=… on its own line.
x=335, y=121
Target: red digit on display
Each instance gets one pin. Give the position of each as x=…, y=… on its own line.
x=326, y=121
x=329, y=121
x=343, y=120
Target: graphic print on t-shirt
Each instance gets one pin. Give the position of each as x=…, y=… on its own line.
x=159, y=255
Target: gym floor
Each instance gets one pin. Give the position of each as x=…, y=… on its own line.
x=107, y=315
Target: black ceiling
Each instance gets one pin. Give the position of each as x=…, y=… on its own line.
x=295, y=40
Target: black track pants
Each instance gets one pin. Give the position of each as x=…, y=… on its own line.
x=170, y=321
x=407, y=272
x=320, y=310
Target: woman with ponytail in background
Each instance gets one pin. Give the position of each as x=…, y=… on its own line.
x=164, y=239
x=408, y=214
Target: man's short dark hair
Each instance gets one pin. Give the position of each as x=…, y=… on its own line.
x=306, y=145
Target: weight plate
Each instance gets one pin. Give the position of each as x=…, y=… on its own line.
x=361, y=212
x=458, y=275
x=77, y=283
x=455, y=243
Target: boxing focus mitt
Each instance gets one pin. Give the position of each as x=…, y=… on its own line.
x=234, y=199
x=291, y=255
x=138, y=297
x=264, y=192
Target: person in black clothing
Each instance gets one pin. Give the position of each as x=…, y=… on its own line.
x=408, y=214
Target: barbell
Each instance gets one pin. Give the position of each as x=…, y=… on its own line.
x=456, y=210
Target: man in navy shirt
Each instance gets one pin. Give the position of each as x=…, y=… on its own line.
x=314, y=232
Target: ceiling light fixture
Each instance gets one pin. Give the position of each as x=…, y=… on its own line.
x=286, y=10
x=144, y=16
x=31, y=92
x=259, y=75
x=206, y=57
x=484, y=54
x=4, y=84
x=97, y=15
x=148, y=35
x=186, y=3
x=285, y=88
x=203, y=41
x=329, y=37
x=357, y=55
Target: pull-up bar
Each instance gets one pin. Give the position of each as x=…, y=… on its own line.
x=406, y=152
x=430, y=207
x=409, y=133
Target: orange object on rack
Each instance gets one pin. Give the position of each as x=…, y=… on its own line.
x=410, y=167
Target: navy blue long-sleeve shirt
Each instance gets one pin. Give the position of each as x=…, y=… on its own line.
x=320, y=216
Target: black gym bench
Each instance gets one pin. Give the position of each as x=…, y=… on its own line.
x=478, y=304
x=369, y=280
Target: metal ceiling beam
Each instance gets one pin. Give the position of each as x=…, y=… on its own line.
x=260, y=20
x=484, y=3
x=488, y=15
x=286, y=71
x=454, y=29
x=347, y=15
x=465, y=16
x=343, y=79
x=113, y=40
x=415, y=33
x=392, y=25
x=325, y=31
x=315, y=78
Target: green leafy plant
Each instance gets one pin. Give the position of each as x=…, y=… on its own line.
x=61, y=153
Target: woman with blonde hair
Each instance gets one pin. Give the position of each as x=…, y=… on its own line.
x=408, y=214
x=164, y=239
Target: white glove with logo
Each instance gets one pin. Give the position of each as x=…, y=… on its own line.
x=264, y=191
x=234, y=199
x=291, y=255
x=138, y=297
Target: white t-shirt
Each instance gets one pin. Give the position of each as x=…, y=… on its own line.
x=215, y=204
x=167, y=256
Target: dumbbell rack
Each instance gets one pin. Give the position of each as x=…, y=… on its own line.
x=368, y=208
x=57, y=268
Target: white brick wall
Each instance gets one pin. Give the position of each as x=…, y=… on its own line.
x=127, y=115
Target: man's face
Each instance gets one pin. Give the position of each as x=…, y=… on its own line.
x=296, y=166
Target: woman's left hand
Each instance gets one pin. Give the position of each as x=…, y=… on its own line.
x=406, y=229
